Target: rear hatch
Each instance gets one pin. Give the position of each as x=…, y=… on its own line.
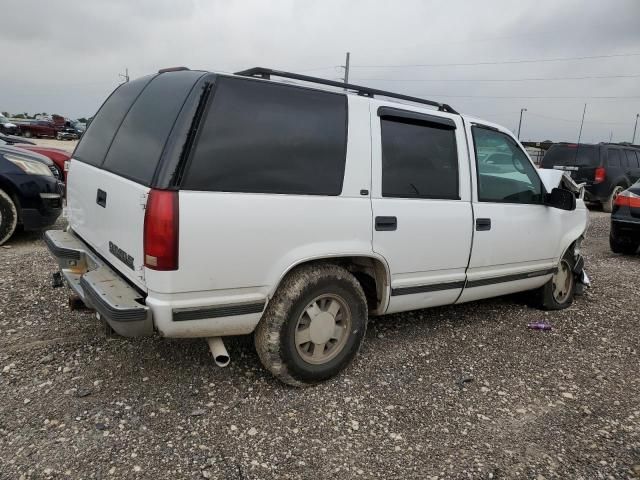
x=580, y=161
x=113, y=168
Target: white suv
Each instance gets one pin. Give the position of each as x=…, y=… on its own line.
x=208, y=205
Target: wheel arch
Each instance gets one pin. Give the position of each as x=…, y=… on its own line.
x=371, y=271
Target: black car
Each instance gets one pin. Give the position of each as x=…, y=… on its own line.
x=625, y=221
x=68, y=133
x=6, y=127
x=606, y=168
x=30, y=192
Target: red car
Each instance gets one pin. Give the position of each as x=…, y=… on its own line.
x=57, y=156
x=37, y=128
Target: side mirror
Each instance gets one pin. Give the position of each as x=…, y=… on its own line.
x=560, y=198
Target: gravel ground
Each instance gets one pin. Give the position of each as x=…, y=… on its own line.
x=456, y=392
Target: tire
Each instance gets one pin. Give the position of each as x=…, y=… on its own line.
x=280, y=338
x=8, y=217
x=625, y=248
x=607, y=206
x=28, y=134
x=548, y=297
x=58, y=137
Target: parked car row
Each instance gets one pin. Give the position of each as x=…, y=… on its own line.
x=55, y=127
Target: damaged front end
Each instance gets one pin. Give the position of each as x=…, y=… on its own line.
x=561, y=179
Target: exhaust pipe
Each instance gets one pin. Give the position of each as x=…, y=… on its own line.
x=219, y=351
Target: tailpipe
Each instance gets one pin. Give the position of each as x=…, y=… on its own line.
x=76, y=303
x=219, y=351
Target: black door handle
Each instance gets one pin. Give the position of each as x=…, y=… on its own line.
x=483, y=224
x=101, y=198
x=386, y=224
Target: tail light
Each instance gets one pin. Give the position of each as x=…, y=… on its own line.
x=627, y=199
x=161, y=230
x=600, y=176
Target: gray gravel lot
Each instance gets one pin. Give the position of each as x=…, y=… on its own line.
x=455, y=392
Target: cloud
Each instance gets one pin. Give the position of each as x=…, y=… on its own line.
x=67, y=58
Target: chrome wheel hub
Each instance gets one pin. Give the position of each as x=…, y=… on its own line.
x=322, y=329
x=562, y=282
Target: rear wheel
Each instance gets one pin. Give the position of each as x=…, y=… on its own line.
x=558, y=292
x=626, y=248
x=8, y=217
x=28, y=134
x=607, y=205
x=314, y=325
x=58, y=136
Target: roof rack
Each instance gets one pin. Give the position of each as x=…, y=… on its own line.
x=267, y=73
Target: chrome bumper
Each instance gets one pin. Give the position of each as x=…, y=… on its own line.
x=101, y=288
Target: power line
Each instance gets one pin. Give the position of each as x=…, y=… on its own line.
x=531, y=79
x=501, y=62
x=575, y=120
x=578, y=97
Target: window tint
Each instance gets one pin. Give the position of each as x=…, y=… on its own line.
x=270, y=138
x=96, y=140
x=505, y=174
x=632, y=161
x=137, y=146
x=419, y=160
x=614, y=157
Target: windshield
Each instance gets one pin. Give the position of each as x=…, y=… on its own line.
x=4, y=119
x=578, y=155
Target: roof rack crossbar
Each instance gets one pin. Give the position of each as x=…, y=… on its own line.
x=267, y=73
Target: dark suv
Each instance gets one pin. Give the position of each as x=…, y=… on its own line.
x=606, y=168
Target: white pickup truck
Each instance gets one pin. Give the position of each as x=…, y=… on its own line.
x=208, y=205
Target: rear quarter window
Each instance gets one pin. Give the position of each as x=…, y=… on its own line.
x=613, y=157
x=261, y=137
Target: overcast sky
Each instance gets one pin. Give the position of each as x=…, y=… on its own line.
x=65, y=57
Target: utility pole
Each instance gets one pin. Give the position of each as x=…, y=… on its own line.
x=635, y=128
x=125, y=76
x=611, y=136
x=520, y=124
x=346, y=69
x=582, y=122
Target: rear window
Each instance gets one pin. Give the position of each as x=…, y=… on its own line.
x=136, y=148
x=572, y=155
x=95, y=142
x=262, y=137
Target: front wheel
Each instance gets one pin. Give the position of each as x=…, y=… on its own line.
x=313, y=326
x=558, y=293
x=28, y=134
x=8, y=217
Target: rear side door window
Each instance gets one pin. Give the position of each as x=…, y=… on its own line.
x=263, y=137
x=504, y=172
x=419, y=159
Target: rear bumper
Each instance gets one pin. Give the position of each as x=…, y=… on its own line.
x=100, y=288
